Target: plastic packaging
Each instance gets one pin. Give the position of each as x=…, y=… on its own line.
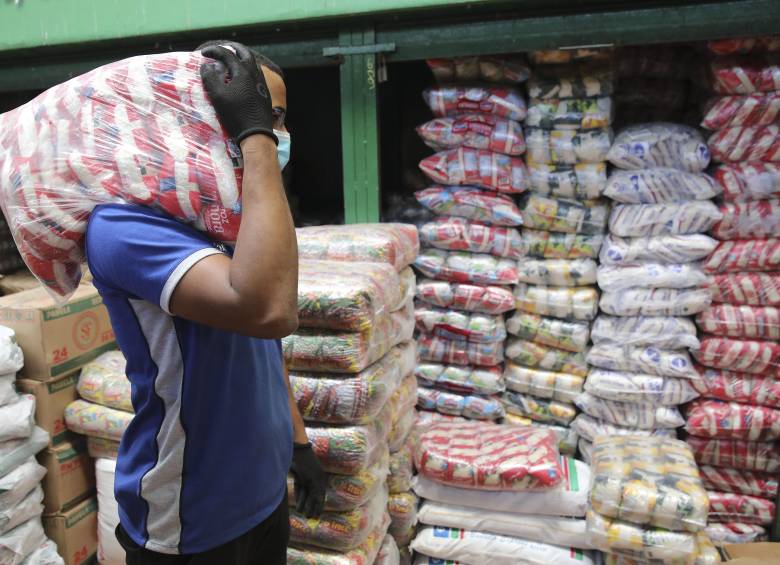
x=488, y=457
x=453, y=404
x=574, y=81
x=46, y=554
x=659, y=248
x=17, y=484
x=661, y=184
x=572, y=113
x=476, y=167
x=388, y=553
x=660, y=144
x=347, y=450
x=655, y=301
x=459, y=234
x=103, y=381
x=730, y=420
x=745, y=75
x=744, y=45
x=8, y=394
x=401, y=469
x=637, y=220
x=730, y=507
x=568, y=216
x=557, y=245
x=440, y=350
x=467, y=297
x=568, y=335
x=575, y=303
x=456, y=325
x=755, y=143
x=586, y=55
x=506, y=103
x=743, y=220
x=365, y=554
x=425, y=419
x=396, y=244
x=11, y=355
x=590, y=428
x=705, y=554
x=475, y=131
x=744, y=255
x=488, y=68
x=640, y=388
x=737, y=454
x=20, y=542
x=402, y=508
x=762, y=390
x=17, y=420
x=734, y=532
x=750, y=322
x=464, y=267
x=751, y=483
x=755, y=289
x=402, y=428
x=567, y=147
x=539, y=409
x=615, y=278
x=462, y=379
x=567, y=438
x=543, y=384
x=748, y=181
x=647, y=360
x=629, y=414
x=110, y=552
x=557, y=272
x=31, y=506
x=583, y=181
x=16, y=451
x=471, y=203
x=748, y=356
x=665, y=332
x=100, y=448
x=534, y=355
x=733, y=111
x=91, y=419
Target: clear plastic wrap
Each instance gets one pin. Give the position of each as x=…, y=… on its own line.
x=557, y=272
x=557, y=245
x=475, y=131
x=568, y=335
x=762, y=390
x=746, y=143
x=534, y=355
x=734, y=111
x=460, y=234
x=583, y=181
x=575, y=303
x=749, y=322
x=744, y=45
x=17, y=419
x=440, y=350
x=402, y=428
x=648, y=360
x=659, y=248
x=460, y=378
x=748, y=181
x=575, y=81
x=20, y=542
x=467, y=297
x=103, y=381
x=567, y=147
x=744, y=255
x=660, y=144
x=454, y=404
x=743, y=220
x=637, y=220
x=561, y=387
x=490, y=68
x=756, y=289
x=347, y=450
x=464, y=267
x=396, y=244
x=659, y=184
x=748, y=356
x=506, y=103
x=706, y=554
x=615, y=278
x=655, y=301
x=401, y=469
x=477, y=167
x=745, y=75
x=734, y=532
x=737, y=454
x=16, y=451
x=590, y=428
x=751, y=483
x=91, y=419
x=568, y=216
x=581, y=55
x=488, y=457
x=388, y=553
x=471, y=203
x=730, y=507
x=637, y=387
x=402, y=508
x=457, y=325
x=666, y=332
x=364, y=554
x=730, y=420
x=630, y=414
x=100, y=448
x=539, y=409
x=571, y=113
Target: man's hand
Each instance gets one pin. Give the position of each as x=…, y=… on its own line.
x=238, y=91
x=310, y=481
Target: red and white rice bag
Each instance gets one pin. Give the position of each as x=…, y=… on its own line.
x=467, y=297
x=748, y=220
x=745, y=75
x=730, y=420
x=471, y=203
x=490, y=68
x=637, y=220
x=659, y=144
x=457, y=325
x=748, y=181
x=744, y=45
x=476, y=131
x=659, y=184
x=477, y=167
x=749, y=356
x=755, y=289
x=746, y=143
x=751, y=483
x=506, y=103
x=656, y=249
x=736, y=453
x=440, y=350
x=464, y=267
x=735, y=532
x=744, y=255
x=760, y=109
x=459, y=234
x=762, y=390
x=730, y=507
x=750, y=322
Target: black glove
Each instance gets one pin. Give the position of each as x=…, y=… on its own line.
x=238, y=91
x=310, y=481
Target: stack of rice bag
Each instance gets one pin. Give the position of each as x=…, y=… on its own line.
x=651, y=283
x=471, y=249
x=734, y=428
x=351, y=366
x=564, y=218
x=499, y=495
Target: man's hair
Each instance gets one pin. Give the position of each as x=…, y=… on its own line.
x=260, y=59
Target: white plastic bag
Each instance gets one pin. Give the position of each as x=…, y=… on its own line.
x=109, y=550
x=17, y=420
x=647, y=360
x=637, y=220
x=47, y=554
x=31, y=506
x=666, y=332
x=659, y=248
x=11, y=356
x=614, y=278
x=14, y=486
x=659, y=184
x=8, y=392
x=660, y=145
x=646, y=416
x=388, y=553
x=656, y=301
x=637, y=387
x=589, y=428
x=17, y=544
x=16, y=451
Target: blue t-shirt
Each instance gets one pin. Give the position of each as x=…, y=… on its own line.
x=206, y=456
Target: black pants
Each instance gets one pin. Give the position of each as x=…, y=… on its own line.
x=265, y=544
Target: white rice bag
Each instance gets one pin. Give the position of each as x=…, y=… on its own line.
x=661, y=184
x=14, y=486
x=590, y=428
x=636, y=387
x=643, y=146
x=613, y=278
x=637, y=220
x=647, y=360
x=17, y=420
x=660, y=248
x=656, y=301
x=646, y=416
x=666, y=332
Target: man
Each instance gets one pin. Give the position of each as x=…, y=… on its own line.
x=201, y=473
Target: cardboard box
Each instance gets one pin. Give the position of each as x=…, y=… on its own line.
x=70, y=476
x=761, y=553
x=74, y=532
x=56, y=338
x=51, y=398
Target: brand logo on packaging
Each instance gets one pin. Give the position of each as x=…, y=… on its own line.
x=85, y=330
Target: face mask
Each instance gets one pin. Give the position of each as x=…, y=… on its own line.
x=283, y=149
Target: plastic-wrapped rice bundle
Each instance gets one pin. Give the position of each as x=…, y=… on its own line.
x=756, y=143
x=589, y=428
x=748, y=181
x=460, y=378
x=644, y=146
x=468, y=297
x=640, y=388
x=539, y=409
x=485, y=67
x=750, y=322
x=615, y=278
x=364, y=554
x=742, y=220
x=751, y=483
x=402, y=427
x=567, y=147
x=752, y=110
x=730, y=507
x=457, y=325
x=488, y=457
x=566, y=56
x=16, y=451
x=563, y=334
x=706, y=554
x=629, y=414
x=502, y=102
x=103, y=381
x=557, y=272
x=459, y=234
x=477, y=167
x=647, y=360
x=425, y=419
x=559, y=245
x=582, y=181
x=471, y=203
x=396, y=244
x=730, y=420
x=464, y=267
x=453, y=404
x=665, y=332
x=748, y=356
x=100, y=448
x=543, y=384
x=762, y=390
x=637, y=220
x=476, y=131
x=570, y=82
x=744, y=45
x=17, y=419
x=17, y=544
x=440, y=350
x=402, y=508
x=737, y=454
x=530, y=354
x=569, y=216
x=346, y=450
x=744, y=255
x=661, y=184
x=661, y=248
x=655, y=301
x=401, y=469
x=734, y=532
x=576, y=303
x=571, y=113
x=754, y=289
x=91, y=419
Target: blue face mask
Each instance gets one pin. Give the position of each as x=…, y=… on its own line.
x=283, y=149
